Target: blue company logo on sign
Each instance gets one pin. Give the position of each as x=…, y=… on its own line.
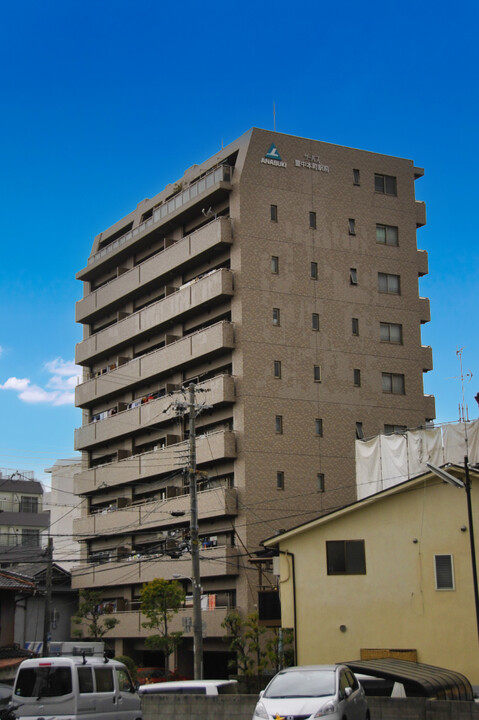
x=273, y=157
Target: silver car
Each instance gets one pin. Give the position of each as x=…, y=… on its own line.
x=313, y=691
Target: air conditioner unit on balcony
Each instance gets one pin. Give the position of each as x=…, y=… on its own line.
x=123, y=502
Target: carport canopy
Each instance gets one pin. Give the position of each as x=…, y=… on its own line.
x=419, y=680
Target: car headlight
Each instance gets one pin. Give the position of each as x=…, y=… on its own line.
x=330, y=707
x=260, y=711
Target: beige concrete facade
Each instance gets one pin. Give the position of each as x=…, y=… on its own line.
x=270, y=275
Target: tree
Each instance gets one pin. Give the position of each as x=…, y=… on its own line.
x=279, y=648
x=233, y=624
x=253, y=633
x=95, y=612
x=160, y=601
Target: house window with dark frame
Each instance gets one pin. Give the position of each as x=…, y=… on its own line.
x=317, y=373
x=444, y=572
x=353, y=276
x=390, y=332
x=345, y=557
x=393, y=383
x=398, y=429
x=320, y=482
x=278, y=424
x=352, y=226
x=386, y=234
x=385, y=184
x=30, y=537
x=355, y=326
x=318, y=427
x=390, y=284
x=315, y=321
x=275, y=264
x=277, y=369
x=312, y=220
x=356, y=177
x=276, y=316
x=280, y=480
x=314, y=271
x=273, y=211
x=357, y=377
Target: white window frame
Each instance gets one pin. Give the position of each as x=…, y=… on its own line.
x=444, y=589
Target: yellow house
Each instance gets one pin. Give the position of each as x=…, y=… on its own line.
x=390, y=572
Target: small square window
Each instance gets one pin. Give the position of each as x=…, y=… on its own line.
x=277, y=369
x=280, y=480
x=314, y=270
x=345, y=557
x=385, y=184
x=276, y=316
x=390, y=284
x=318, y=427
x=317, y=373
x=387, y=234
x=356, y=177
x=320, y=482
x=274, y=213
x=355, y=326
x=398, y=429
x=278, y=424
x=444, y=572
x=393, y=383
x=353, y=276
x=352, y=226
x=312, y=220
x=357, y=377
x=315, y=321
x=390, y=332
x=359, y=431
x=275, y=264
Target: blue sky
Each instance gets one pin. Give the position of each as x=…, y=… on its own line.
x=106, y=102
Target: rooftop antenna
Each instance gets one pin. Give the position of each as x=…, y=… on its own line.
x=274, y=116
x=462, y=407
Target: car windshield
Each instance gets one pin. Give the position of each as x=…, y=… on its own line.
x=307, y=683
x=41, y=682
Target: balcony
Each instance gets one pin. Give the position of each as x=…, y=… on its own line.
x=192, y=296
x=219, y=390
x=420, y=213
x=215, y=561
x=426, y=353
x=214, y=235
x=209, y=448
x=429, y=407
x=215, y=180
x=25, y=519
x=191, y=348
x=217, y=502
x=424, y=310
x=422, y=265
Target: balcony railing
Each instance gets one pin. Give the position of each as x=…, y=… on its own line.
x=23, y=506
x=168, y=207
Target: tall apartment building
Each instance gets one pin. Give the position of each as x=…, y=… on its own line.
x=281, y=276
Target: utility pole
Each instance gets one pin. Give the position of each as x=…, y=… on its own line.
x=195, y=548
x=48, y=598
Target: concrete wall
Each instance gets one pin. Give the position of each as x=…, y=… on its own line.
x=241, y=707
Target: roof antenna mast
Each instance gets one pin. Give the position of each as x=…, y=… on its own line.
x=274, y=116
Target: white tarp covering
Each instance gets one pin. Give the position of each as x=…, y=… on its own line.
x=387, y=460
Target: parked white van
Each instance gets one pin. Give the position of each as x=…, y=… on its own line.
x=70, y=688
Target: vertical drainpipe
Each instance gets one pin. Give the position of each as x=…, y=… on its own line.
x=293, y=576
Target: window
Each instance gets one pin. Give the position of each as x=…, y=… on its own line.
x=276, y=316
x=278, y=424
x=355, y=326
x=275, y=264
x=104, y=679
x=389, y=283
x=390, y=332
x=320, y=482
x=280, y=480
x=273, y=209
x=312, y=220
x=314, y=270
x=356, y=177
x=318, y=427
x=277, y=369
x=352, y=226
x=317, y=373
x=395, y=429
x=393, y=383
x=353, y=276
x=315, y=321
x=357, y=377
x=346, y=557
x=385, y=184
x=30, y=538
x=85, y=679
x=444, y=572
x=359, y=431
x=387, y=234
x=28, y=504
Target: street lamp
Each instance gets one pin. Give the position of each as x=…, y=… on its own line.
x=467, y=486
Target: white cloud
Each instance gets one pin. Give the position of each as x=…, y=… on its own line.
x=1, y=350
x=59, y=389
